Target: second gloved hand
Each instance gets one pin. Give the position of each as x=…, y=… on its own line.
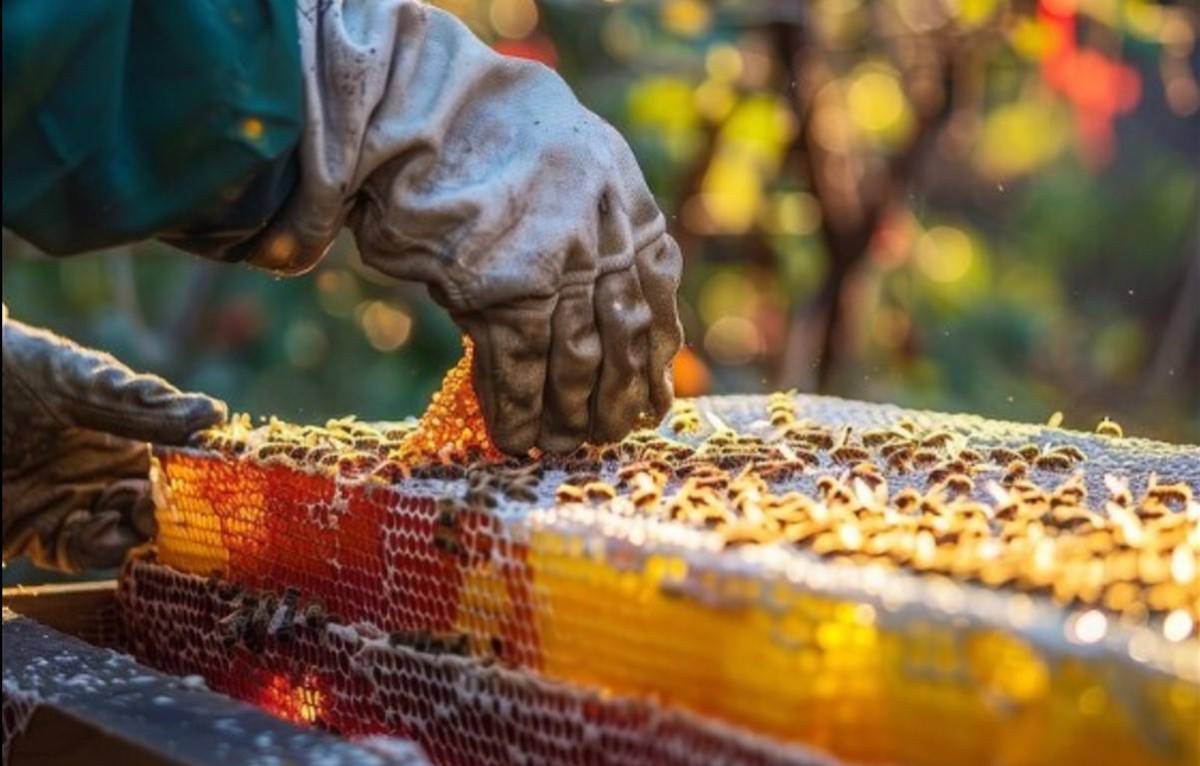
x=525, y=213
x=76, y=460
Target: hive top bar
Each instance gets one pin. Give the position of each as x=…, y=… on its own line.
x=1098, y=533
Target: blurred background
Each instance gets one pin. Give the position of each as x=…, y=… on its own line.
x=981, y=205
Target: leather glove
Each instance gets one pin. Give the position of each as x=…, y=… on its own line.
x=76, y=458
x=524, y=213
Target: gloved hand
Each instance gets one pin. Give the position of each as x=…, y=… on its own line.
x=525, y=213
x=76, y=462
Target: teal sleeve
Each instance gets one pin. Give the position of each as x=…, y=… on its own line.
x=126, y=120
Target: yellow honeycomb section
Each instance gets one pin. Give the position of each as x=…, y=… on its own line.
x=831, y=674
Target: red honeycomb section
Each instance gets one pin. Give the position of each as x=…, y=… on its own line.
x=356, y=681
x=372, y=553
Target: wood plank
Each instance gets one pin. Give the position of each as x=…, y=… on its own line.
x=85, y=610
x=93, y=705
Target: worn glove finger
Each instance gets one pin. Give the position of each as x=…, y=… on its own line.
x=134, y=500
x=622, y=396
x=511, y=345
x=88, y=472
x=96, y=541
x=572, y=369
x=75, y=386
x=621, y=401
x=659, y=268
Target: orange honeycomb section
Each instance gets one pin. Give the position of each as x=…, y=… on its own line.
x=452, y=428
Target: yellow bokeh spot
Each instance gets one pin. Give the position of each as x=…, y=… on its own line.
x=731, y=192
x=663, y=102
x=337, y=292
x=686, y=18
x=759, y=127
x=723, y=62
x=1031, y=38
x=387, y=327
x=973, y=13
x=513, y=19
x=714, y=100
x=1020, y=138
x=733, y=340
x=876, y=103
x=794, y=213
x=944, y=254
x=727, y=293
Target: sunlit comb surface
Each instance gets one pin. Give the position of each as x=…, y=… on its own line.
x=763, y=579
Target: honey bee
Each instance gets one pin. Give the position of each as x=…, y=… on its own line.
x=1015, y=471
x=257, y=627
x=814, y=437
x=1052, y=462
x=721, y=438
x=1111, y=428
x=1029, y=451
x=906, y=499
x=924, y=457
x=283, y=623
x=482, y=498
x=581, y=479
x=314, y=615
x=234, y=626
x=1070, y=451
x=958, y=483
x=685, y=421
x=878, y=436
x=1003, y=455
x=778, y=470
x=849, y=454
x=781, y=418
x=898, y=463
x=744, y=533
x=569, y=493
x=522, y=491
x=968, y=455
x=937, y=439
x=646, y=497
x=599, y=491
x=826, y=485
x=1170, y=493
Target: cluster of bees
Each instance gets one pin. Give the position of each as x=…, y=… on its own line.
x=251, y=617
x=974, y=514
x=978, y=516
x=450, y=433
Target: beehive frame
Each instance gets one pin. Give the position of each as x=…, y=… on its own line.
x=722, y=569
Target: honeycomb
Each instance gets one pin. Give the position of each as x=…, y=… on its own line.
x=452, y=428
x=761, y=579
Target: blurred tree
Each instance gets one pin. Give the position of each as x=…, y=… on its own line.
x=978, y=204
